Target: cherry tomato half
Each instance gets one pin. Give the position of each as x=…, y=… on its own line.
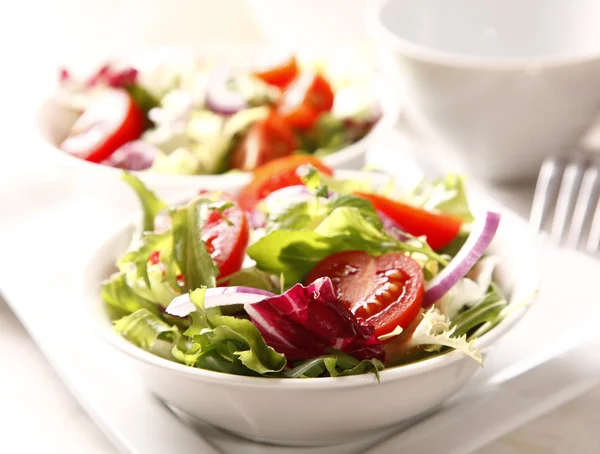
x=227, y=243
x=112, y=120
x=266, y=140
x=439, y=228
x=305, y=99
x=385, y=291
x=274, y=175
x=280, y=74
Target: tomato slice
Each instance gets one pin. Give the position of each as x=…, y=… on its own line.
x=281, y=74
x=439, y=228
x=266, y=140
x=305, y=99
x=274, y=175
x=227, y=243
x=112, y=120
x=385, y=291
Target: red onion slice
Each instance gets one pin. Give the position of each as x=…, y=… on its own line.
x=481, y=236
x=219, y=97
x=135, y=155
x=219, y=296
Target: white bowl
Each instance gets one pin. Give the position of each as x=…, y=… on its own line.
x=54, y=122
x=317, y=411
x=496, y=85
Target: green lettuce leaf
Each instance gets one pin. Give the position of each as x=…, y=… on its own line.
x=151, y=205
x=116, y=292
x=190, y=252
x=295, y=252
x=251, y=277
x=227, y=340
x=145, y=329
x=153, y=282
x=335, y=364
x=447, y=194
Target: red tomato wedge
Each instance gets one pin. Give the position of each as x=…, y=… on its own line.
x=227, y=243
x=439, y=228
x=280, y=74
x=112, y=120
x=266, y=140
x=385, y=291
x=277, y=174
x=305, y=99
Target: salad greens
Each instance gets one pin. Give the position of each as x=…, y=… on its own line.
x=290, y=329
x=203, y=118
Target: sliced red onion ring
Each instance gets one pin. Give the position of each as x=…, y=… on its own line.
x=219, y=97
x=390, y=226
x=257, y=219
x=219, y=296
x=481, y=236
x=135, y=155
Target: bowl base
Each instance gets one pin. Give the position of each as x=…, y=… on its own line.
x=216, y=433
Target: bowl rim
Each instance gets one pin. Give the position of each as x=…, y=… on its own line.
x=377, y=30
x=389, y=99
x=102, y=327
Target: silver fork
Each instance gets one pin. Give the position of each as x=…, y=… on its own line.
x=567, y=201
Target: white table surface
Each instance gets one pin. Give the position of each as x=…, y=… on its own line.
x=37, y=413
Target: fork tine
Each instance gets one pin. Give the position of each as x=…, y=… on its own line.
x=547, y=179
x=566, y=197
x=582, y=206
x=593, y=243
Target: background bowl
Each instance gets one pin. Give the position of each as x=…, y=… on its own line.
x=102, y=182
x=313, y=411
x=497, y=86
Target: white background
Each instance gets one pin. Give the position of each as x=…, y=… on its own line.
x=37, y=414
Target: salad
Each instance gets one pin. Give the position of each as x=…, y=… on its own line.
x=303, y=274
x=204, y=117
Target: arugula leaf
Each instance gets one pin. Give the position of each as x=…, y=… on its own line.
x=445, y=194
x=487, y=311
x=335, y=364
x=190, y=252
x=235, y=341
x=151, y=204
x=144, y=329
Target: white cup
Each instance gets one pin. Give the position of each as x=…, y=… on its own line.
x=497, y=85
